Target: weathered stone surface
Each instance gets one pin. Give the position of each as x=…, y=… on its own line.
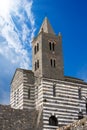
x=50, y=60
x=15, y=119
x=78, y=125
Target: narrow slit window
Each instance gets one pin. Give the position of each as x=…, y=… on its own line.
x=29, y=93
x=86, y=106
x=37, y=63
x=53, y=46
x=37, y=46
x=51, y=62
x=50, y=45
x=35, y=50
x=80, y=115
x=35, y=66
x=54, y=63
x=79, y=93
x=37, y=91
x=54, y=90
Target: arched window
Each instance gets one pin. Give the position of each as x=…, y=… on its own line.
x=29, y=93
x=80, y=115
x=17, y=96
x=37, y=63
x=86, y=106
x=53, y=121
x=79, y=92
x=37, y=46
x=54, y=63
x=51, y=62
x=35, y=50
x=53, y=46
x=50, y=45
x=54, y=90
x=37, y=92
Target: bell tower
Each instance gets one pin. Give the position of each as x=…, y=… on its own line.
x=47, y=53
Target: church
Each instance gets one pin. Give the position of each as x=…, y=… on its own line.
x=59, y=99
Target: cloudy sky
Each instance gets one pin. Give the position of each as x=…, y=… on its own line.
x=20, y=21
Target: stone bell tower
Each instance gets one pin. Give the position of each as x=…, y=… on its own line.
x=47, y=53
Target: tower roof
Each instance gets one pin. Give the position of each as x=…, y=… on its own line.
x=46, y=27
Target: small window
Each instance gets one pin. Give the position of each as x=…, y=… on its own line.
x=54, y=63
x=53, y=121
x=29, y=93
x=86, y=106
x=18, y=93
x=80, y=115
x=50, y=45
x=35, y=50
x=51, y=62
x=54, y=90
x=53, y=46
x=37, y=46
x=44, y=100
x=37, y=92
x=37, y=63
x=79, y=92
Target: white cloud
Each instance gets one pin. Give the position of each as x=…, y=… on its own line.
x=15, y=40
x=16, y=32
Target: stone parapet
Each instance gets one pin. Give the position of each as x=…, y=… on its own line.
x=16, y=119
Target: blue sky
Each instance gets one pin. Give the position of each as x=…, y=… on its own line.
x=21, y=22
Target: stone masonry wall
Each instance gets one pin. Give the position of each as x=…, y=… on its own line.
x=15, y=119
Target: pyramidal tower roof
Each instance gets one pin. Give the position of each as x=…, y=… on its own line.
x=46, y=27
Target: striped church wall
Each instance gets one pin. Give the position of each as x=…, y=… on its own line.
x=17, y=98
x=38, y=96
x=65, y=105
x=23, y=81
x=16, y=93
x=28, y=99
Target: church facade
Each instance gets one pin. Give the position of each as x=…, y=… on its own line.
x=59, y=99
